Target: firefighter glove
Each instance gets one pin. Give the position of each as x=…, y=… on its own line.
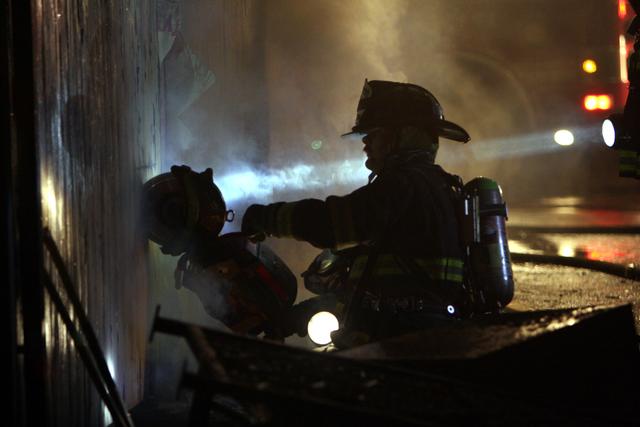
x=266, y=220
x=254, y=222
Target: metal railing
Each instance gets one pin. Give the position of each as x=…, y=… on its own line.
x=83, y=336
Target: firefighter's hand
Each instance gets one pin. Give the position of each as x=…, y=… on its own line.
x=253, y=223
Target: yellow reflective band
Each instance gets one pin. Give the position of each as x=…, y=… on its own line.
x=628, y=162
x=449, y=269
x=627, y=154
x=628, y=159
x=443, y=269
x=396, y=273
x=448, y=276
x=342, y=222
x=441, y=262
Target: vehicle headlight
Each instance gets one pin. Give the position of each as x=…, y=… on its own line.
x=608, y=133
x=615, y=132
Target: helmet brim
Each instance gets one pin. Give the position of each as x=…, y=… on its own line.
x=360, y=131
x=352, y=133
x=450, y=130
x=445, y=129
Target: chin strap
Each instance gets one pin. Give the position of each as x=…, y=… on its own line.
x=372, y=176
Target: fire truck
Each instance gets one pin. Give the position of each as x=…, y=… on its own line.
x=532, y=81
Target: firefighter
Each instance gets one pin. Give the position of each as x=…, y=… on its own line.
x=400, y=229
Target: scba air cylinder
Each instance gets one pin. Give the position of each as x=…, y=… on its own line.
x=489, y=255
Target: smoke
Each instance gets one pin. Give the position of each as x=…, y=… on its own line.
x=318, y=55
x=281, y=81
x=212, y=290
x=251, y=184
x=288, y=73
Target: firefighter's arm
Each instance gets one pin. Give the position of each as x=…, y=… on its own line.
x=338, y=222
x=307, y=220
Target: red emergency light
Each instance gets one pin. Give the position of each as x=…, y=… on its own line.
x=597, y=102
x=622, y=9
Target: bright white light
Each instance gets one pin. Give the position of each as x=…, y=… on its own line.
x=518, y=246
x=566, y=249
x=563, y=137
x=106, y=414
x=608, y=133
x=51, y=205
x=451, y=309
x=320, y=327
x=111, y=366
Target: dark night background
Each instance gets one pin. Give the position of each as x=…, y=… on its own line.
x=260, y=91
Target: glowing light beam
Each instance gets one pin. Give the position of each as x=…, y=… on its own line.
x=256, y=184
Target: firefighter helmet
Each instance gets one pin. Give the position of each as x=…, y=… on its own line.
x=392, y=104
x=181, y=205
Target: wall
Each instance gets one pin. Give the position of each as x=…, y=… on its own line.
x=96, y=86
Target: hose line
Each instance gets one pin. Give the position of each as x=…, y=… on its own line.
x=574, y=230
x=630, y=230
x=629, y=271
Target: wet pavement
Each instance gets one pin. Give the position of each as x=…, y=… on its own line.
x=618, y=210
x=540, y=287
x=549, y=227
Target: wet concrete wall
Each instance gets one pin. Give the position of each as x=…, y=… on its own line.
x=96, y=81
